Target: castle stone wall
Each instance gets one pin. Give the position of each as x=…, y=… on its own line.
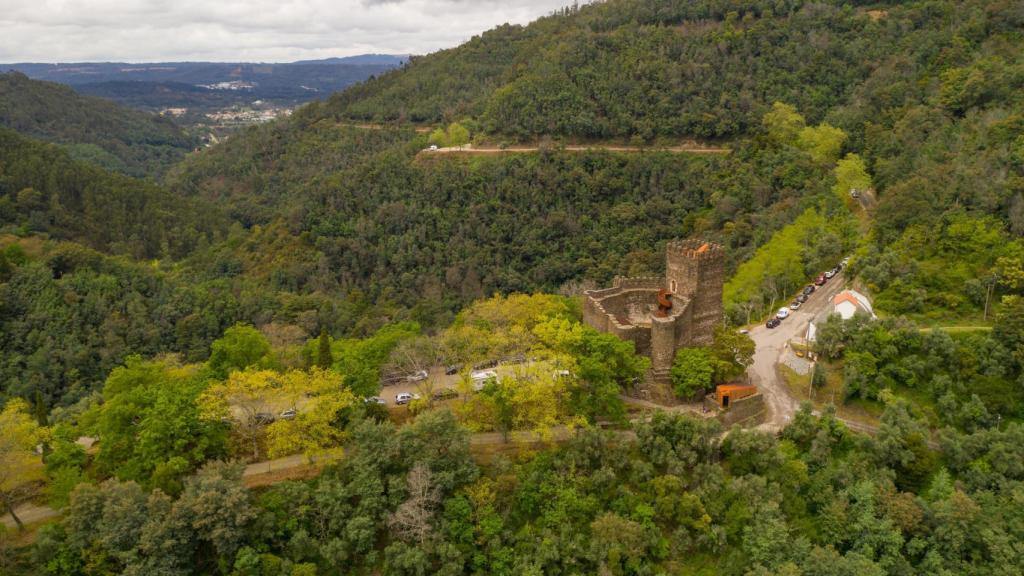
x=639, y=336
x=648, y=283
x=749, y=411
x=694, y=273
x=683, y=336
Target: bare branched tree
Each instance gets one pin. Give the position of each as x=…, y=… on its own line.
x=419, y=354
x=412, y=521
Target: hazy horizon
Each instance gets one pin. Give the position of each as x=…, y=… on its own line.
x=176, y=61
x=270, y=31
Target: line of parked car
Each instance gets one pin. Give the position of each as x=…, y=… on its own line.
x=819, y=281
x=480, y=375
x=268, y=418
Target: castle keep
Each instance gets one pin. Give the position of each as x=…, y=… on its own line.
x=661, y=315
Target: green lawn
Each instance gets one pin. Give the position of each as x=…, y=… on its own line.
x=855, y=410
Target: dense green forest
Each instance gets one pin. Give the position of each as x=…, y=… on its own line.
x=677, y=499
x=706, y=69
x=925, y=95
x=670, y=494
x=92, y=129
x=450, y=230
x=43, y=190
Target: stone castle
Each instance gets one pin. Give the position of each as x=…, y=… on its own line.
x=661, y=315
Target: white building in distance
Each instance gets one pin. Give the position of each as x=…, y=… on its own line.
x=849, y=302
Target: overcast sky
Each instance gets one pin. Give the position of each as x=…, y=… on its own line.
x=245, y=30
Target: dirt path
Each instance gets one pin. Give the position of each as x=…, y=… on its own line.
x=273, y=471
x=374, y=126
x=689, y=148
x=689, y=408
x=772, y=343
x=30, y=514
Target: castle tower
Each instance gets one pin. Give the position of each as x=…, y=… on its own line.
x=696, y=271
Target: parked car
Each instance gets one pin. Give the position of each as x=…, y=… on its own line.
x=483, y=374
x=801, y=298
x=794, y=305
x=481, y=378
x=773, y=323
x=782, y=314
x=405, y=398
x=264, y=418
x=445, y=394
x=453, y=369
x=288, y=414
x=744, y=331
x=830, y=273
x=820, y=280
x=418, y=376
x=375, y=400
x=433, y=147
x=809, y=289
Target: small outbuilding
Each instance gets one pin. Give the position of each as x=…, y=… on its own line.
x=725, y=394
x=849, y=302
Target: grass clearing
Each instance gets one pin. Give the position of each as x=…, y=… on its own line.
x=966, y=329
x=855, y=410
x=295, y=473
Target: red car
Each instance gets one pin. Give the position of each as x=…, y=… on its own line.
x=820, y=280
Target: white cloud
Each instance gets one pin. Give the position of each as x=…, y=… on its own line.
x=245, y=30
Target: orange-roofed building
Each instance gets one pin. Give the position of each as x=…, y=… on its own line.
x=728, y=393
x=849, y=302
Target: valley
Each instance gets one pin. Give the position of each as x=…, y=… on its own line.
x=537, y=303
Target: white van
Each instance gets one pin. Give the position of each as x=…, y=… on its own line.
x=481, y=378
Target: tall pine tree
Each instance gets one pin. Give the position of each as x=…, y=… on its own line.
x=324, y=358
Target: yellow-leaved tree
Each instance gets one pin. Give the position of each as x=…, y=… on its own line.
x=318, y=398
x=244, y=399
x=851, y=177
x=289, y=412
x=529, y=396
x=501, y=327
x=21, y=469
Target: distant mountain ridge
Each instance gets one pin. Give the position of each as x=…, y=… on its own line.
x=362, y=60
x=285, y=83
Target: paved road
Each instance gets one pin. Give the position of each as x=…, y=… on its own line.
x=772, y=343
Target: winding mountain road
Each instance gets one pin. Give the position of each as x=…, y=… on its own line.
x=772, y=343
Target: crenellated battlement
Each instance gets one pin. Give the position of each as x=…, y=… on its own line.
x=638, y=282
x=698, y=250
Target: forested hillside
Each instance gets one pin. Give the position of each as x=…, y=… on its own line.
x=924, y=95
x=351, y=228
x=92, y=129
x=44, y=190
x=680, y=68
x=447, y=230
x=254, y=302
